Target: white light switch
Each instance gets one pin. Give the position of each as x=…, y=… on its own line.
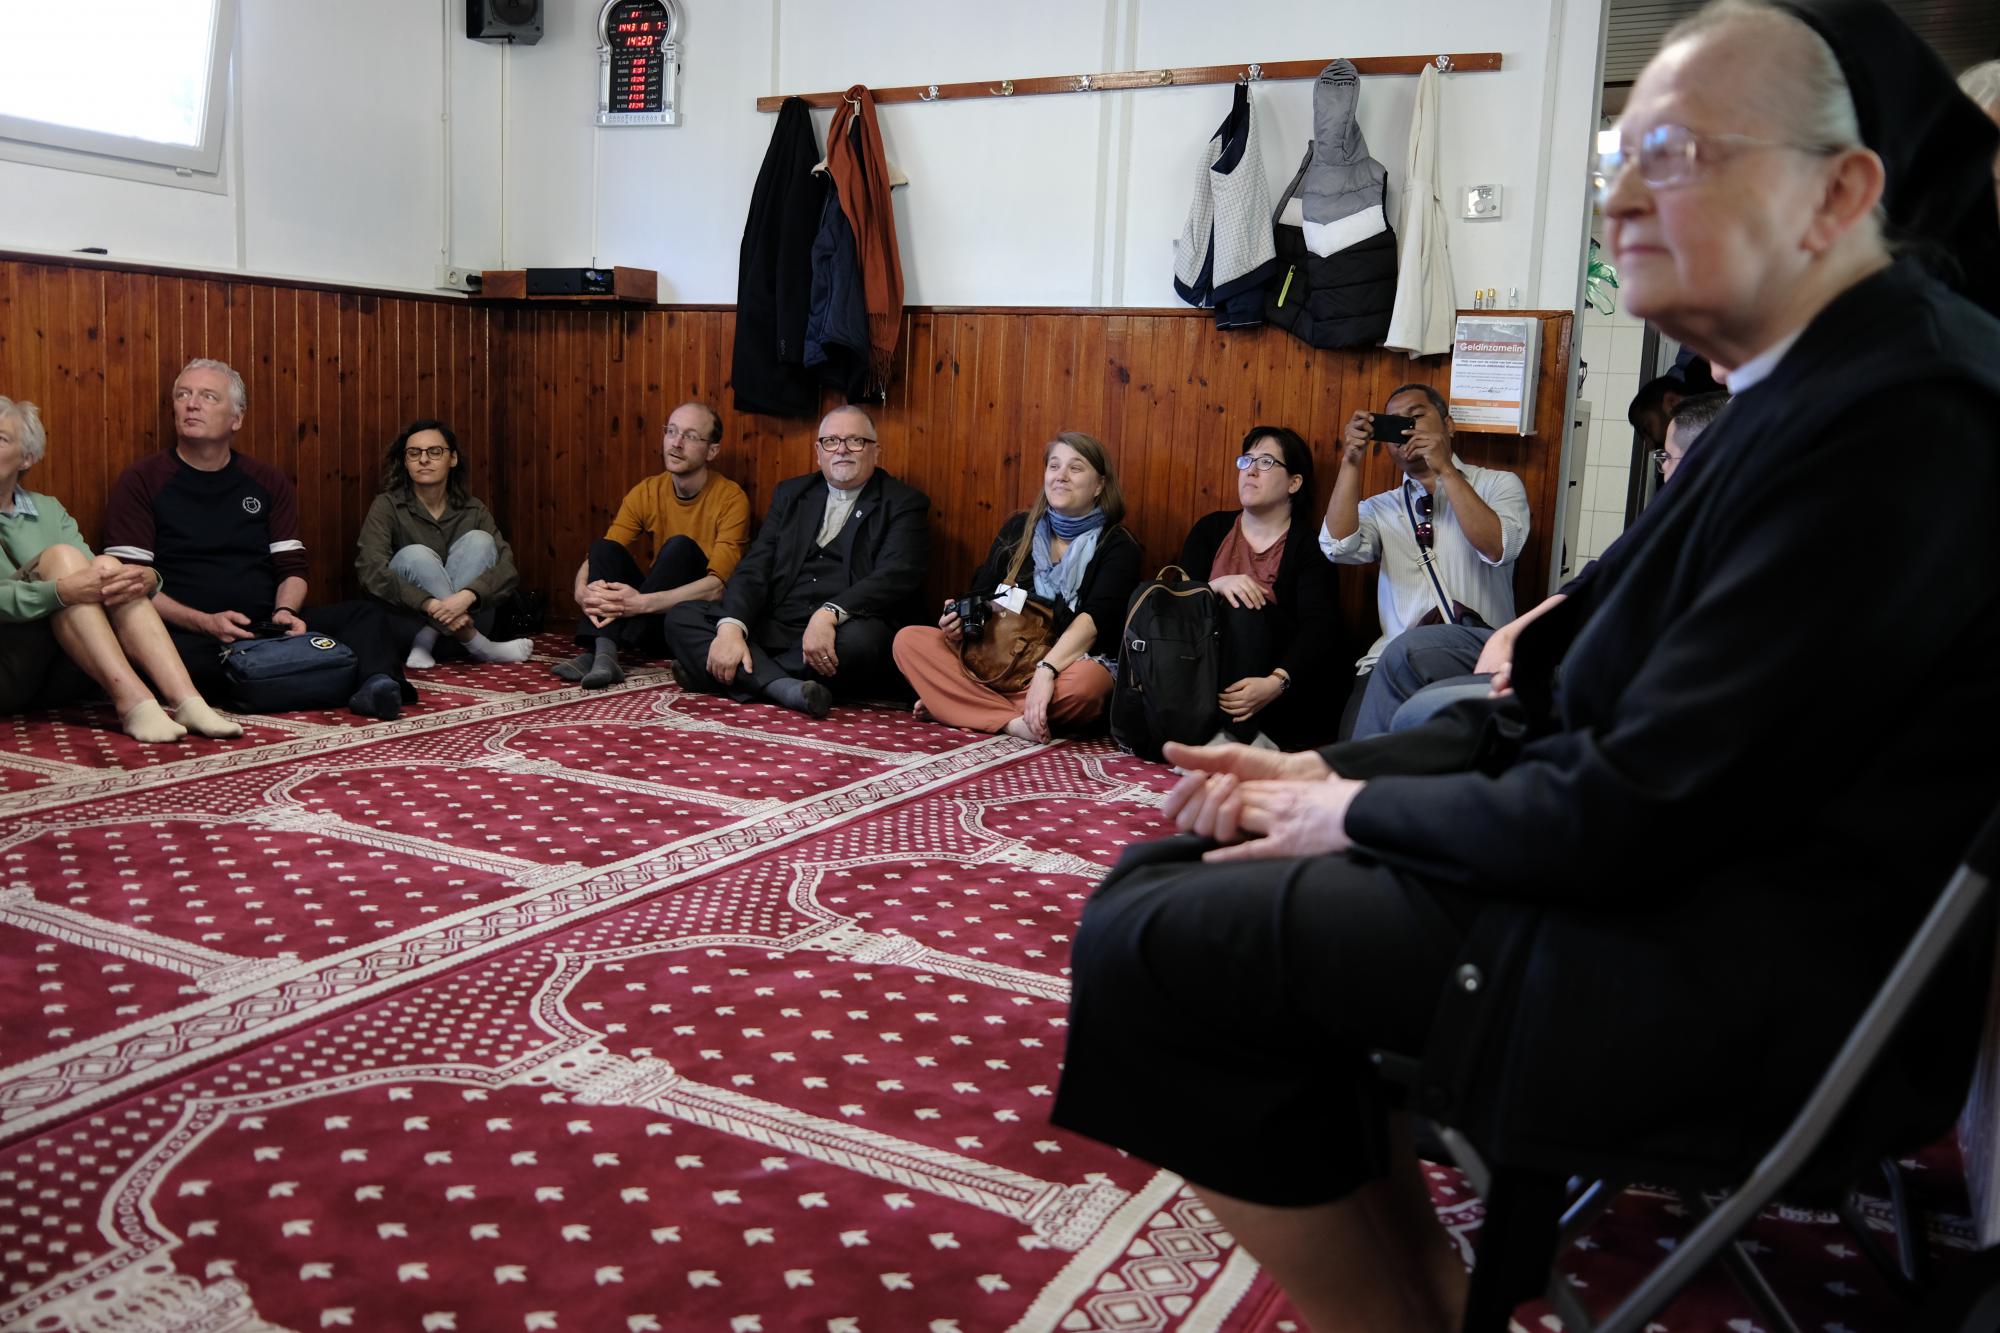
x=1481, y=202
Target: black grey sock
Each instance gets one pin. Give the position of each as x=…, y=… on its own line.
x=604, y=670
x=572, y=670
x=787, y=690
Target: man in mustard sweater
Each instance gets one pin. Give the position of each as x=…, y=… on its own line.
x=698, y=522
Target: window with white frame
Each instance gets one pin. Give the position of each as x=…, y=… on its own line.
x=120, y=86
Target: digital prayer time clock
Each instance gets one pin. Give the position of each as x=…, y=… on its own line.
x=639, y=63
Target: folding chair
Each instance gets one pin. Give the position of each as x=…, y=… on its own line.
x=1531, y=1216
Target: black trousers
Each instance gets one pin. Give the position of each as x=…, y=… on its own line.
x=862, y=645
x=1298, y=719
x=380, y=639
x=680, y=561
x=1221, y=1016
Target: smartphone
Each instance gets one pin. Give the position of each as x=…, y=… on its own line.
x=1391, y=428
x=267, y=629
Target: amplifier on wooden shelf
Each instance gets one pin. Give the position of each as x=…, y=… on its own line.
x=570, y=282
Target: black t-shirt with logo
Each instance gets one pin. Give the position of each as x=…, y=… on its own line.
x=221, y=540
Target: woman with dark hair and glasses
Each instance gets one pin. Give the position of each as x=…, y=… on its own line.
x=1280, y=615
x=1490, y=893
x=428, y=547
x=1067, y=549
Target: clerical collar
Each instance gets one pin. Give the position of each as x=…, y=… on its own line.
x=1759, y=367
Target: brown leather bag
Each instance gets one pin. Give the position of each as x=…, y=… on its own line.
x=1003, y=657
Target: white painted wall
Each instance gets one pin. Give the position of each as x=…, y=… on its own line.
x=337, y=158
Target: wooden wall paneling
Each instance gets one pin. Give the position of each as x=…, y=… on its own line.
x=315, y=403
x=561, y=407
x=1092, y=379
x=530, y=440
x=352, y=419
x=917, y=445
x=1011, y=459
x=11, y=377
x=974, y=507
x=63, y=309
x=558, y=409
x=586, y=367
x=128, y=370
x=278, y=351
x=603, y=363
x=1200, y=436
x=29, y=374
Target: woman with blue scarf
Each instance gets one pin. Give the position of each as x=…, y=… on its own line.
x=1068, y=551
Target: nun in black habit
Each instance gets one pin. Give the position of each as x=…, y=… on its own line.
x=1639, y=919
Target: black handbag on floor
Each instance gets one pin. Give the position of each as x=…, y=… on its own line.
x=309, y=670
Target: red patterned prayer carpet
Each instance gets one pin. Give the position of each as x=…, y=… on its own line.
x=630, y=1010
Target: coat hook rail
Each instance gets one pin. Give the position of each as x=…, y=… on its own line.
x=1261, y=72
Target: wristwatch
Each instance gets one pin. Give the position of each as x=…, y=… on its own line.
x=1284, y=680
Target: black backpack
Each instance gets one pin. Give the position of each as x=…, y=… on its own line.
x=1167, y=666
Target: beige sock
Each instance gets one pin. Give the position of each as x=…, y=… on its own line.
x=149, y=722
x=194, y=713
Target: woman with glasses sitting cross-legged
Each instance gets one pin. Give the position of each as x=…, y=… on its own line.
x=431, y=549
x=1280, y=639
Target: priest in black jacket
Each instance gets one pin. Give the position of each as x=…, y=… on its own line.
x=831, y=576
x=1640, y=919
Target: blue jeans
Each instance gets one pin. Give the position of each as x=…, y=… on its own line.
x=470, y=556
x=1434, y=698
x=1413, y=659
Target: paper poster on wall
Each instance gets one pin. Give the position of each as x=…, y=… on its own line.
x=1495, y=360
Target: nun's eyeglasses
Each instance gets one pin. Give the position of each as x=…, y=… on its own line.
x=1669, y=155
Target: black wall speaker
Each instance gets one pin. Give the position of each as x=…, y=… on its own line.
x=517, y=21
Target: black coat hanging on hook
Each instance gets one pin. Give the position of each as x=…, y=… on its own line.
x=774, y=273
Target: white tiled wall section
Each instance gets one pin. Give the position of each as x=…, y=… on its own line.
x=1612, y=348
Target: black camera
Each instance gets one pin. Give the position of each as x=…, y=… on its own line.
x=972, y=613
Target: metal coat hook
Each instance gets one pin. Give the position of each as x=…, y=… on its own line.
x=1444, y=64
x=1252, y=75
x=1083, y=84
x=930, y=94
x=1006, y=88
x=1163, y=77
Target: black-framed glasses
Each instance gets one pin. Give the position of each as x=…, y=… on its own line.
x=844, y=444
x=1670, y=155
x=418, y=453
x=1262, y=462
x=1426, y=532
x=673, y=433
x=1661, y=458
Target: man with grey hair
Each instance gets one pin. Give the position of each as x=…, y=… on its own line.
x=832, y=575
x=223, y=530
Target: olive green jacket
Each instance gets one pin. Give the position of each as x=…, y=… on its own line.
x=399, y=519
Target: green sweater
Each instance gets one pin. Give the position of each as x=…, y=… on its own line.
x=24, y=536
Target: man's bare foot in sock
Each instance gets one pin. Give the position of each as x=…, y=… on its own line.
x=919, y=712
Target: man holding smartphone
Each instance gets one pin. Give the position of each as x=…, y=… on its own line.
x=1447, y=536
